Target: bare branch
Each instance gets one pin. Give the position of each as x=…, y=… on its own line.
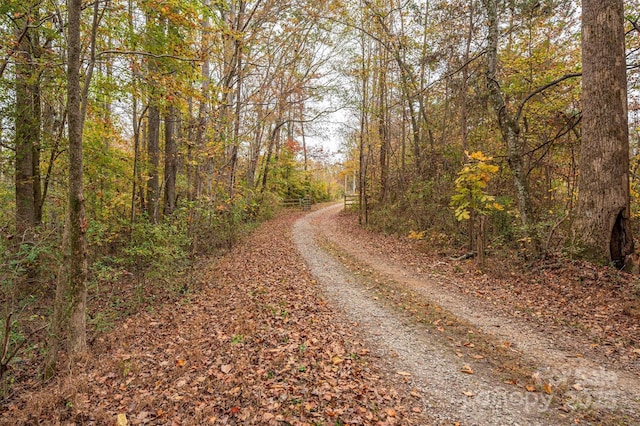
x=143, y=53
x=542, y=89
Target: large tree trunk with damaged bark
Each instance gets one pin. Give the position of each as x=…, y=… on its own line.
x=602, y=226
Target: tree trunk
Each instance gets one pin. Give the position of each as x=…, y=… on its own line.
x=254, y=148
x=602, y=227
x=202, y=122
x=383, y=132
x=464, y=124
x=27, y=136
x=153, y=152
x=233, y=160
x=170, y=162
x=464, y=89
x=273, y=141
x=509, y=127
x=364, y=129
x=71, y=292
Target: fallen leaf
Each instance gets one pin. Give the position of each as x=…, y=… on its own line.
x=578, y=387
x=336, y=360
x=267, y=417
x=547, y=388
x=468, y=394
x=121, y=420
x=181, y=362
x=467, y=369
x=530, y=388
x=226, y=368
x=404, y=373
x=391, y=412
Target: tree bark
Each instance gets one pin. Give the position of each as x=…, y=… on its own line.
x=71, y=292
x=273, y=142
x=235, y=137
x=602, y=226
x=464, y=88
x=255, y=146
x=383, y=132
x=202, y=120
x=77, y=221
x=27, y=135
x=153, y=153
x=170, y=162
x=509, y=127
x=363, y=213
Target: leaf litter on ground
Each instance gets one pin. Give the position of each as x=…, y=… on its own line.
x=258, y=345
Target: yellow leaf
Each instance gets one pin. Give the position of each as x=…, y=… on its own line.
x=121, y=420
x=467, y=369
x=336, y=360
x=547, y=388
x=479, y=156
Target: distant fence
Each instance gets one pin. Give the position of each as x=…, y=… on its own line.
x=302, y=203
x=350, y=200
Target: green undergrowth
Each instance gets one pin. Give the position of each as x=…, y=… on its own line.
x=131, y=268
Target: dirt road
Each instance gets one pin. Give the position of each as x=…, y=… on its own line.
x=458, y=387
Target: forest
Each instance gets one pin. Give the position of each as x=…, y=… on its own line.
x=139, y=139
